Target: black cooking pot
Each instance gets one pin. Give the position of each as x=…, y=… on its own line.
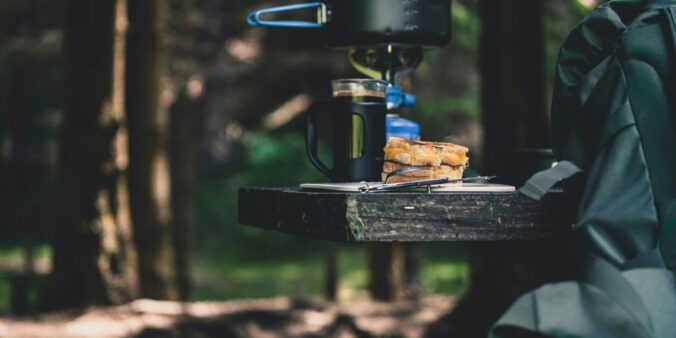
x=354, y=23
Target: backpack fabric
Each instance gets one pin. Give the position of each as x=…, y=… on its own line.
x=614, y=117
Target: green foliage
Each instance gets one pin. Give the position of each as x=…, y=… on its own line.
x=278, y=161
x=271, y=161
x=435, y=107
x=466, y=27
x=11, y=265
x=581, y=9
x=440, y=116
x=5, y=294
x=240, y=276
x=235, y=276
x=560, y=19
x=12, y=253
x=445, y=278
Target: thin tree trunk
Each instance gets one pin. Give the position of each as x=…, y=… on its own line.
x=513, y=82
x=26, y=172
x=331, y=275
x=20, y=301
x=183, y=145
x=149, y=177
x=413, y=259
x=386, y=262
x=514, y=116
x=379, y=261
x=94, y=257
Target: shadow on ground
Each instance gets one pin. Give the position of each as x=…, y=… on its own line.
x=269, y=318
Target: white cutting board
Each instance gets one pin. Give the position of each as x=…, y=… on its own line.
x=450, y=187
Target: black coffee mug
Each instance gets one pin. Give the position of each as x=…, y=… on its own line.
x=357, y=111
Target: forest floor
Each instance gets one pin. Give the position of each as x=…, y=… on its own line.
x=264, y=318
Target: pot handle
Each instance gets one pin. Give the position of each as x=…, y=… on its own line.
x=254, y=18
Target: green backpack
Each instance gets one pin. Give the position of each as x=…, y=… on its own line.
x=614, y=126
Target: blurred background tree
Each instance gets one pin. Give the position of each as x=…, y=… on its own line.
x=94, y=258
x=222, y=105
x=149, y=172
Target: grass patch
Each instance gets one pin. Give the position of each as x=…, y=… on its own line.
x=5, y=294
x=229, y=278
x=240, y=276
x=11, y=269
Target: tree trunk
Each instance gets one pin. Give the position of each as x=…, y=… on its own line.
x=331, y=275
x=149, y=177
x=21, y=287
x=27, y=173
x=412, y=266
x=394, y=270
x=514, y=116
x=183, y=146
x=379, y=261
x=94, y=257
x=513, y=82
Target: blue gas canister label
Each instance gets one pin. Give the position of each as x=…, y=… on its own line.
x=400, y=127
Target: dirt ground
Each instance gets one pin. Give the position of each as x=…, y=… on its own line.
x=269, y=318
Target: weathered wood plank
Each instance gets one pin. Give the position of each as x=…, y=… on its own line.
x=415, y=217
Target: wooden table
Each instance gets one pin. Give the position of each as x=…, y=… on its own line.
x=516, y=244
x=404, y=217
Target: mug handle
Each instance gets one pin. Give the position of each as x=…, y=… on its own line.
x=311, y=139
x=254, y=18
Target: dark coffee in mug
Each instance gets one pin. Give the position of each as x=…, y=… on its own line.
x=359, y=90
x=358, y=96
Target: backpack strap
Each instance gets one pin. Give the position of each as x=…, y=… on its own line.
x=670, y=12
x=542, y=182
x=667, y=214
x=598, y=272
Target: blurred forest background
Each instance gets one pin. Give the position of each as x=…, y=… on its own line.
x=141, y=120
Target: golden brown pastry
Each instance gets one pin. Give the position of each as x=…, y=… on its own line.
x=433, y=173
x=452, y=154
x=420, y=153
x=444, y=159
x=411, y=152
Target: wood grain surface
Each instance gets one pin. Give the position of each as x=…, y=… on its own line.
x=405, y=217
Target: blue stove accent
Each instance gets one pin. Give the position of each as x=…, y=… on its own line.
x=401, y=127
x=395, y=98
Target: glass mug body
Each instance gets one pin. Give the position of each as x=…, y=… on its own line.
x=349, y=132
